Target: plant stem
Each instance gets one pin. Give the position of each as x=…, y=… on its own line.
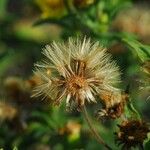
x=93, y=130
x=141, y=147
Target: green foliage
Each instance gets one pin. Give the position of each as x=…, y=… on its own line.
x=141, y=50
x=15, y=148
x=3, y=5
x=94, y=20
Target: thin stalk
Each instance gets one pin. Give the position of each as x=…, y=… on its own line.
x=141, y=147
x=93, y=130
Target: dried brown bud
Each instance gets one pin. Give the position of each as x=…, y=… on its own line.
x=114, y=104
x=132, y=133
x=112, y=112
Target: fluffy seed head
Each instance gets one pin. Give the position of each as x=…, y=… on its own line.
x=78, y=70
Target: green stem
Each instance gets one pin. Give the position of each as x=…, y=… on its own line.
x=94, y=132
x=141, y=147
x=133, y=109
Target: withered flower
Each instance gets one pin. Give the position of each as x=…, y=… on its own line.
x=115, y=106
x=111, y=113
x=78, y=71
x=132, y=133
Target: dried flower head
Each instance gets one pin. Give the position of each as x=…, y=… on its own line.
x=111, y=113
x=116, y=110
x=78, y=71
x=132, y=134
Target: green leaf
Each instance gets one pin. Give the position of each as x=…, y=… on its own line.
x=45, y=118
x=66, y=21
x=3, y=4
x=130, y=111
x=142, y=51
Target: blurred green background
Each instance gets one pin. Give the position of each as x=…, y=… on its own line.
x=26, y=26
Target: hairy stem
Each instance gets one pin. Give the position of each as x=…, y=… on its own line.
x=93, y=130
